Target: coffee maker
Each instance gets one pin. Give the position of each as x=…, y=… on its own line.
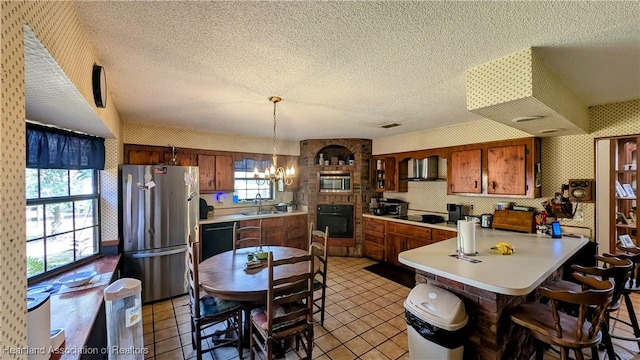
x=456, y=212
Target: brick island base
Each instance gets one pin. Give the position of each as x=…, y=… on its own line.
x=490, y=332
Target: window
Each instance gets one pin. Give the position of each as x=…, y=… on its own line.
x=245, y=185
x=62, y=217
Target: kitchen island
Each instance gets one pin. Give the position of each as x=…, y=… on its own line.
x=494, y=285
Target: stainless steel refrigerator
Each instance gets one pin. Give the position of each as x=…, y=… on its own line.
x=160, y=210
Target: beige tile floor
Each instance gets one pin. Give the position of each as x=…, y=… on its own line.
x=364, y=320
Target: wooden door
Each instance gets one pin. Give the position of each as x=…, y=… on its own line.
x=506, y=171
x=395, y=245
x=224, y=173
x=391, y=183
x=207, y=167
x=143, y=157
x=465, y=169
x=412, y=242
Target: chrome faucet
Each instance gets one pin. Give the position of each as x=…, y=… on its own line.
x=259, y=201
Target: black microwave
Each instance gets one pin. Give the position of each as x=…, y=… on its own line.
x=334, y=182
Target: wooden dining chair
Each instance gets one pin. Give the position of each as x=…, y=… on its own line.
x=289, y=310
x=207, y=311
x=247, y=236
x=318, y=246
x=548, y=325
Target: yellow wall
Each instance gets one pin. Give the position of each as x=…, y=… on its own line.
x=563, y=158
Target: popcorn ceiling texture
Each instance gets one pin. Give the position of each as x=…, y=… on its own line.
x=147, y=134
x=563, y=158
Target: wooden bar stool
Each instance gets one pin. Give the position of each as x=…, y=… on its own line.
x=548, y=325
x=632, y=285
x=615, y=269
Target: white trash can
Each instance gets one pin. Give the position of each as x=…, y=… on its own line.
x=435, y=323
x=123, y=303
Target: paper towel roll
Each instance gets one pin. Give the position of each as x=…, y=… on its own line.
x=467, y=237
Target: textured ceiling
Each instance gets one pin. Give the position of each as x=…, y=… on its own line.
x=51, y=98
x=344, y=68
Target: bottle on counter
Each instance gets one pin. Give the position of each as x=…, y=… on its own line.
x=235, y=197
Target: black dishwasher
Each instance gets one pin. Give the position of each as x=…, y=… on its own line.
x=216, y=238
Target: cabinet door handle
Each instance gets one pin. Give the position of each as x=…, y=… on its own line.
x=475, y=184
x=451, y=186
x=493, y=185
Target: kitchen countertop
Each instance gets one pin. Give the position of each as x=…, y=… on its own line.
x=76, y=311
x=239, y=217
x=535, y=258
x=441, y=226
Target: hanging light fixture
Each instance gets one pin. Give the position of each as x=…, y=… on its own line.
x=274, y=173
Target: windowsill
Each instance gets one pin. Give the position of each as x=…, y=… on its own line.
x=76, y=311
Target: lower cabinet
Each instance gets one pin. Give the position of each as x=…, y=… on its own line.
x=374, y=239
x=273, y=231
x=383, y=240
x=296, y=228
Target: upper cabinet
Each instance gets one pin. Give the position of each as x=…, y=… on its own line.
x=207, y=166
x=388, y=172
x=216, y=170
x=465, y=171
x=506, y=170
x=503, y=168
x=224, y=173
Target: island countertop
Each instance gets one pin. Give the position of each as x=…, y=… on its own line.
x=536, y=257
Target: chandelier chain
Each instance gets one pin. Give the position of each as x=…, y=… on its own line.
x=274, y=128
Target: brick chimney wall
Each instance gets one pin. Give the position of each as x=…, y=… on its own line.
x=362, y=187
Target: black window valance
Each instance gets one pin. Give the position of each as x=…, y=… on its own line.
x=51, y=148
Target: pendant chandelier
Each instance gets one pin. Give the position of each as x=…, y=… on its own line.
x=274, y=173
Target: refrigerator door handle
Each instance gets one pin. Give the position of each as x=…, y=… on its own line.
x=128, y=208
x=158, y=254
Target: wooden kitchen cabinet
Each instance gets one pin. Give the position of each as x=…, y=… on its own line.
x=216, y=173
x=506, y=171
x=501, y=168
x=207, y=170
x=439, y=235
x=296, y=228
x=224, y=173
x=182, y=159
x=401, y=237
x=136, y=156
x=465, y=172
x=273, y=231
x=373, y=242
x=386, y=176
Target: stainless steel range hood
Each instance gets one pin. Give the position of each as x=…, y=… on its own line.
x=423, y=169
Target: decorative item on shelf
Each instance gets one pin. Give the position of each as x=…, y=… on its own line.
x=620, y=190
x=334, y=160
x=625, y=241
x=321, y=159
x=274, y=173
x=629, y=191
x=621, y=219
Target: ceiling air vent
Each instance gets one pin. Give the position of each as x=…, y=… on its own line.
x=388, y=126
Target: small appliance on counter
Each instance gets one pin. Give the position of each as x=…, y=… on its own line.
x=395, y=207
x=456, y=212
x=204, y=209
x=486, y=220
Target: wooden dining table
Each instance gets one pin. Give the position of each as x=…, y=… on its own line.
x=225, y=277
